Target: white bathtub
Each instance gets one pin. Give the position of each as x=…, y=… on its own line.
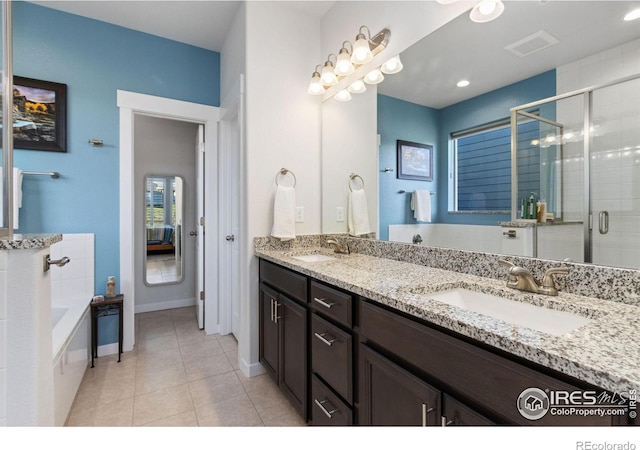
x=71, y=292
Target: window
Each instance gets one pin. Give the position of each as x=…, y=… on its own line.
x=481, y=166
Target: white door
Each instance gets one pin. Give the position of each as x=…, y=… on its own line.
x=200, y=155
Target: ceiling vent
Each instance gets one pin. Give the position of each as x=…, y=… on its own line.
x=531, y=44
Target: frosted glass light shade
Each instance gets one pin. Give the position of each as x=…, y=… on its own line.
x=343, y=96
x=344, y=66
x=315, y=85
x=374, y=77
x=357, y=87
x=361, y=51
x=394, y=65
x=328, y=76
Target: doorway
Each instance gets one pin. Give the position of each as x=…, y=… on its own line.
x=132, y=105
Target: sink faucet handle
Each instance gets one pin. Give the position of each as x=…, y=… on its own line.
x=505, y=263
x=548, y=285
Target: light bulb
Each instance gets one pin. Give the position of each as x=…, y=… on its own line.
x=633, y=15
x=374, y=77
x=343, y=96
x=344, y=66
x=357, y=87
x=361, y=50
x=486, y=11
x=394, y=65
x=315, y=85
x=328, y=76
x=463, y=83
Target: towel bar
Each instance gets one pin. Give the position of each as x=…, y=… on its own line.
x=402, y=191
x=352, y=177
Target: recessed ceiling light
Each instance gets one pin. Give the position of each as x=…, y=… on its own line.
x=633, y=15
x=463, y=83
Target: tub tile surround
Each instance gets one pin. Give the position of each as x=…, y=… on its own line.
x=402, y=276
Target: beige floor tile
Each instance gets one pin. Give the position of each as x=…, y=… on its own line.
x=151, y=407
x=288, y=419
x=206, y=366
x=185, y=419
x=228, y=343
x=114, y=414
x=215, y=389
x=257, y=383
x=236, y=411
x=270, y=403
x=151, y=332
x=197, y=349
x=155, y=358
x=233, y=360
x=154, y=378
x=159, y=343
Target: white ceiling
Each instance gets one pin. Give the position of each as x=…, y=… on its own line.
x=460, y=49
x=202, y=23
x=465, y=50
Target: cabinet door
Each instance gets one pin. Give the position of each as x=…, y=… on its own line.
x=456, y=413
x=292, y=319
x=269, y=341
x=392, y=396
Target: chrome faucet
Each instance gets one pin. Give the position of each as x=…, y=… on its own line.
x=417, y=239
x=521, y=279
x=339, y=248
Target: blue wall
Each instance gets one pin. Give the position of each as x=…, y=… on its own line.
x=398, y=119
x=94, y=59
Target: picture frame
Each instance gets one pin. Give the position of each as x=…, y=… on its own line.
x=415, y=161
x=40, y=115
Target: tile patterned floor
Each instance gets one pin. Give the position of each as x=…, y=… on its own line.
x=177, y=376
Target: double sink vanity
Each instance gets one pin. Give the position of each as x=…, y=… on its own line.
x=384, y=335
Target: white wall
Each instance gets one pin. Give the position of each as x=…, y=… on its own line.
x=165, y=147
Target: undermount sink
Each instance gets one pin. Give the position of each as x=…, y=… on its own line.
x=522, y=314
x=314, y=257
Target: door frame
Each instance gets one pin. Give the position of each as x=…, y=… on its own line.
x=131, y=104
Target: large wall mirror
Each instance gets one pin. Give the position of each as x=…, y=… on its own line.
x=164, y=212
x=528, y=54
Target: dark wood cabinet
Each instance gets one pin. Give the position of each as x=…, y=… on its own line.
x=283, y=349
x=455, y=413
x=393, y=396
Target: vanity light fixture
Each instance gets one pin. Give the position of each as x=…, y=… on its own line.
x=357, y=87
x=394, y=65
x=486, y=11
x=374, y=77
x=633, y=15
x=362, y=53
x=328, y=75
x=315, y=85
x=344, y=66
x=343, y=96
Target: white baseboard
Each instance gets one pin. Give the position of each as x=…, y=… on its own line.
x=159, y=306
x=251, y=370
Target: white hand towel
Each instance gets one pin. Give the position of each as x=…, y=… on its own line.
x=284, y=214
x=17, y=197
x=421, y=205
x=358, y=213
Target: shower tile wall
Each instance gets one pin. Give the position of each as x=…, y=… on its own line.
x=3, y=338
x=615, y=172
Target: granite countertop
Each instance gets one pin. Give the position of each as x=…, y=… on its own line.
x=29, y=241
x=605, y=352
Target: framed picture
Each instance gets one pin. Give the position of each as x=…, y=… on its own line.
x=415, y=161
x=39, y=115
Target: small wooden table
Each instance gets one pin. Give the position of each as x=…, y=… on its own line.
x=109, y=307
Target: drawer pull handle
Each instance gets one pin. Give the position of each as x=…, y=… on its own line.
x=425, y=412
x=446, y=423
x=323, y=302
x=272, y=310
x=325, y=410
x=323, y=339
x=275, y=311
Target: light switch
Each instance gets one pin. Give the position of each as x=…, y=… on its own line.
x=299, y=214
x=339, y=214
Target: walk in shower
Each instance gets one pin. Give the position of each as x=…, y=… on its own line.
x=583, y=149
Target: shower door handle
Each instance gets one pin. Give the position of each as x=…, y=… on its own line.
x=603, y=222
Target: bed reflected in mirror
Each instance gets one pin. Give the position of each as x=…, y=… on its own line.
x=164, y=200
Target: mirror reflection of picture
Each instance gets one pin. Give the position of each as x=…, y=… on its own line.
x=415, y=161
x=163, y=226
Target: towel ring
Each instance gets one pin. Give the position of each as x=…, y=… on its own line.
x=352, y=177
x=284, y=171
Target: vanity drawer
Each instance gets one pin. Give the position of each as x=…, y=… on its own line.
x=332, y=303
x=487, y=380
x=332, y=356
x=284, y=280
x=326, y=408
